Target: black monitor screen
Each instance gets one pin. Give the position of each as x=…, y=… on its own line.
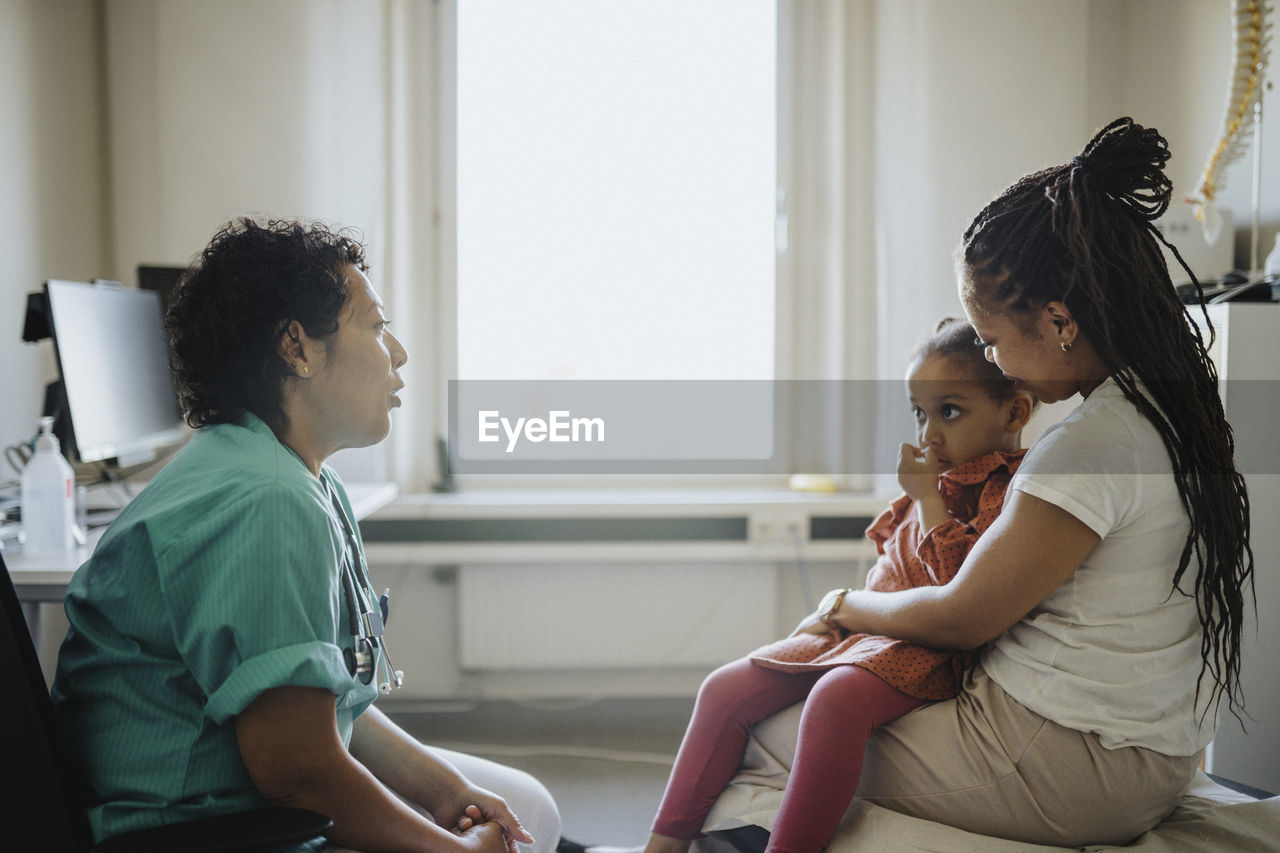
x=161, y=279
x=115, y=370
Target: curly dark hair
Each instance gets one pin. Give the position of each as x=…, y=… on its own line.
x=954, y=339
x=230, y=307
x=1083, y=233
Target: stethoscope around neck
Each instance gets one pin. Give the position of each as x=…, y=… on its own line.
x=368, y=624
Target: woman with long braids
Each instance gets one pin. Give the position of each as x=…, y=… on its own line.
x=1113, y=587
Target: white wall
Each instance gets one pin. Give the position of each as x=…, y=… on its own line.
x=1172, y=63
x=280, y=109
x=966, y=104
x=51, y=187
x=134, y=128
x=221, y=109
x=973, y=95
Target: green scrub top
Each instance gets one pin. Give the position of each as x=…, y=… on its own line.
x=220, y=580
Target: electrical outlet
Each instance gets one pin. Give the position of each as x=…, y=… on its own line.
x=777, y=526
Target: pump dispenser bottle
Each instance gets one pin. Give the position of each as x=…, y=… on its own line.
x=48, y=496
x=1271, y=266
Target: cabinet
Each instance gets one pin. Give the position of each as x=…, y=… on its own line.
x=1247, y=355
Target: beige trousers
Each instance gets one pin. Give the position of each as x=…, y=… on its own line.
x=987, y=764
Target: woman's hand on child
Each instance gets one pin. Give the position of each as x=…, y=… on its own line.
x=812, y=624
x=918, y=471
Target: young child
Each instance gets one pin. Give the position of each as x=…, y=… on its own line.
x=969, y=419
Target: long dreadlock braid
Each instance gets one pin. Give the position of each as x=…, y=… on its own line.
x=1082, y=233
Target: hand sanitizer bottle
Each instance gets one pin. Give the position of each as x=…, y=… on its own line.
x=1271, y=266
x=48, y=496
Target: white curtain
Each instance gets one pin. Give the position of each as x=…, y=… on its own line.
x=827, y=303
x=910, y=115
x=969, y=98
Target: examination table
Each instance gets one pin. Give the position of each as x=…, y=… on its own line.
x=1210, y=817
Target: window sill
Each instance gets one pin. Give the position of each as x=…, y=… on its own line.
x=648, y=524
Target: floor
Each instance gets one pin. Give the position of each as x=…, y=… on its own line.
x=606, y=762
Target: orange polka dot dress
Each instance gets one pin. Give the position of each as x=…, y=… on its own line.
x=973, y=494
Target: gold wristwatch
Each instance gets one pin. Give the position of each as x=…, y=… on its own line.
x=829, y=605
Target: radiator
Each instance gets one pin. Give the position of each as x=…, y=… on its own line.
x=610, y=615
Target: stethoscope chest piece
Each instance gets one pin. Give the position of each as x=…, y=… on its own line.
x=367, y=620
x=359, y=660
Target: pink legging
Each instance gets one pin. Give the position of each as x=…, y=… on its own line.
x=845, y=704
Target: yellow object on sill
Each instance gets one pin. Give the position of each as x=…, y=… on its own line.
x=812, y=483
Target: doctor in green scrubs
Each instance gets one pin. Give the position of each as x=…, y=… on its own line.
x=215, y=661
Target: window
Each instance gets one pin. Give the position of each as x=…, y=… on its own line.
x=616, y=189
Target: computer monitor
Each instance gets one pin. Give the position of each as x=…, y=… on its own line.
x=161, y=279
x=114, y=363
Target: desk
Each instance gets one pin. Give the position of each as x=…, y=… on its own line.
x=44, y=577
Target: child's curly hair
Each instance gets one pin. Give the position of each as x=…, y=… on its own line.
x=955, y=339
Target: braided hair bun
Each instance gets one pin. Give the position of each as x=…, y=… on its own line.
x=1126, y=161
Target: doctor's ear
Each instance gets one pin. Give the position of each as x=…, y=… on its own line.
x=291, y=347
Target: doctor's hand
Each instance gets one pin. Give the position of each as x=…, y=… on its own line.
x=477, y=807
x=485, y=838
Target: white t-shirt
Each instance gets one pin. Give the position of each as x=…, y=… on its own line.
x=1114, y=650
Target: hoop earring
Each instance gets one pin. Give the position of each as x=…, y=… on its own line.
x=1066, y=347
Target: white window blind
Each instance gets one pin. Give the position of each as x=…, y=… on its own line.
x=616, y=189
